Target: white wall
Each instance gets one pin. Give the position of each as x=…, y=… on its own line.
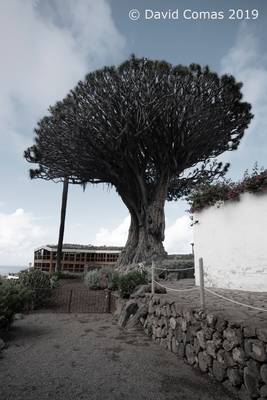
x=232, y=240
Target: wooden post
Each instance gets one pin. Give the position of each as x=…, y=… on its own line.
x=201, y=284
x=152, y=278
x=70, y=298
x=108, y=298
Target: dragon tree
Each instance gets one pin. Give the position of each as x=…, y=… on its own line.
x=151, y=130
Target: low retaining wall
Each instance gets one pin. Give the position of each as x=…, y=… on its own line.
x=234, y=354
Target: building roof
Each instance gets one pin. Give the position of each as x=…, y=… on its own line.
x=81, y=248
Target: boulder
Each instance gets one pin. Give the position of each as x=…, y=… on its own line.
x=251, y=380
x=234, y=376
x=218, y=371
x=129, y=309
x=190, y=355
x=204, y=361
x=263, y=372
x=255, y=348
x=239, y=355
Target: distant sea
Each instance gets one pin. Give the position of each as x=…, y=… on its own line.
x=6, y=269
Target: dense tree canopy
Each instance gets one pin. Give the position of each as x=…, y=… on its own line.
x=148, y=128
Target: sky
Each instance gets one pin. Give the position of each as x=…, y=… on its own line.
x=47, y=46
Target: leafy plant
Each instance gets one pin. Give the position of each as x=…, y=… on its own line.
x=99, y=278
x=209, y=195
x=128, y=282
x=13, y=298
x=39, y=283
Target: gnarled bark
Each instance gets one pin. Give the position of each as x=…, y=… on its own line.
x=146, y=233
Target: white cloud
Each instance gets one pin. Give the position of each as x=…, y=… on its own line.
x=114, y=237
x=19, y=234
x=178, y=235
x=247, y=61
x=46, y=47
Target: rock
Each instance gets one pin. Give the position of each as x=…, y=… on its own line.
x=208, y=332
x=201, y=339
x=173, y=310
x=243, y=393
x=230, y=388
x=196, y=346
x=2, y=344
x=263, y=372
x=173, y=323
x=174, y=345
x=249, y=331
x=251, y=380
x=211, y=348
x=239, y=355
x=220, y=324
x=263, y=391
x=211, y=320
x=218, y=371
x=180, y=350
x=204, y=361
x=262, y=334
x=190, y=355
x=225, y=358
x=129, y=309
x=233, y=338
x=234, y=376
x=184, y=325
x=255, y=348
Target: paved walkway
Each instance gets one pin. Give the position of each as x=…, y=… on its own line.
x=232, y=311
x=87, y=356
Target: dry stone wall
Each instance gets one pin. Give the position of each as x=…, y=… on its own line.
x=234, y=354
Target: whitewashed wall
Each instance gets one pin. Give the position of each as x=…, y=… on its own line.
x=232, y=240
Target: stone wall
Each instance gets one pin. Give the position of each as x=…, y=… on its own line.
x=234, y=354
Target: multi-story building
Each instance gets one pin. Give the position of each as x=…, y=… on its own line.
x=75, y=258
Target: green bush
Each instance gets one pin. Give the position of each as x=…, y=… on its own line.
x=115, y=280
x=64, y=275
x=13, y=298
x=39, y=283
x=128, y=282
x=99, y=278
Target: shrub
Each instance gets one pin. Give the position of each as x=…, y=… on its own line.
x=64, y=275
x=115, y=280
x=39, y=283
x=128, y=282
x=99, y=278
x=13, y=298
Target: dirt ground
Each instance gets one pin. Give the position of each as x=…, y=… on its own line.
x=88, y=356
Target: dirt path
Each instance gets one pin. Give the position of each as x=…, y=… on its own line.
x=87, y=356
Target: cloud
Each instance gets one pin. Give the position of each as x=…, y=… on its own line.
x=19, y=234
x=178, y=235
x=46, y=47
x=247, y=61
x=114, y=237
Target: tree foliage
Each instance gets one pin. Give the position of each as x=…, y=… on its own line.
x=148, y=128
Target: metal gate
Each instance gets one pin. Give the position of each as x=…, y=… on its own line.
x=78, y=300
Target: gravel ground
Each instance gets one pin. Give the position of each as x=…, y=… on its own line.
x=87, y=356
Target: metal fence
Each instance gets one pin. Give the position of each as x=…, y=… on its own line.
x=71, y=300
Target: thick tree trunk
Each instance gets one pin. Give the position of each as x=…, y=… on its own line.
x=146, y=233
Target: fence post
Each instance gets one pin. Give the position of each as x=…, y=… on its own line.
x=70, y=298
x=201, y=284
x=108, y=298
x=152, y=278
